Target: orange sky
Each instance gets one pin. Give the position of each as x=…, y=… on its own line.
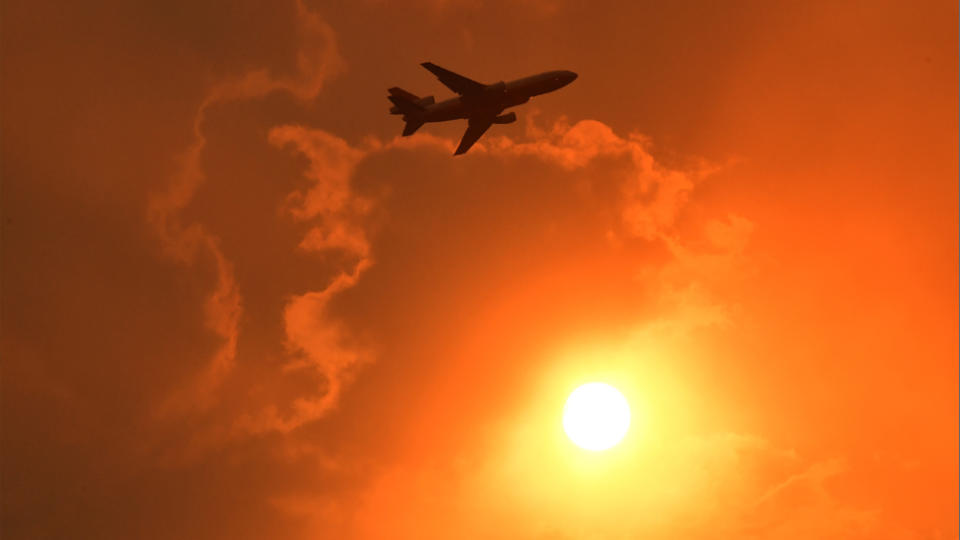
x=236, y=305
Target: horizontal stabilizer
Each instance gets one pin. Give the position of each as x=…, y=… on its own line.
x=404, y=102
x=403, y=94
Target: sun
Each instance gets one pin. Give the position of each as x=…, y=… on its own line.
x=596, y=416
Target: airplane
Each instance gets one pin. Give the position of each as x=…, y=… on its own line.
x=480, y=104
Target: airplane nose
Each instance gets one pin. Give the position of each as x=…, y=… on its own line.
x=570, y=76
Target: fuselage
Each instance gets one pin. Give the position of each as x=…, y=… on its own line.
x=497, y=97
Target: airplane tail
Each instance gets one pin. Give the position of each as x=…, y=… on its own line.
x=407, y=103
x=404, y=102
x=411, y=106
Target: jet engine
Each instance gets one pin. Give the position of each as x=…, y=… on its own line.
x=505, y=118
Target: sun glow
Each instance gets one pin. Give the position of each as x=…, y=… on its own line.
x=596, y=416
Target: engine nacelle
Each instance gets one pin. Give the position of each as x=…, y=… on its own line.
x=505, y=118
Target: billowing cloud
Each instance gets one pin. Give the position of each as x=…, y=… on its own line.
x=653, y=195
x=317, y=59
x=314, y=340
x=571, y=154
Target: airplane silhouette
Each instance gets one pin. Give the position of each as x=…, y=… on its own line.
x=481, y=104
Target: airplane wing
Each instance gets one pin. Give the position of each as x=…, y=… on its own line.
x=453, y=81
x=475, y=129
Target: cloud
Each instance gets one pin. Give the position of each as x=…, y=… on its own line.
x=645, y=198
x=804, y=505
x=726, y=485
x=317, y=60
x=314, y=340
x=332, y=162
x=587, y=155
x=337, y=216
x=652, y=195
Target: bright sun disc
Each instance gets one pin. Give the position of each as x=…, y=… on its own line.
x=596, y=416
